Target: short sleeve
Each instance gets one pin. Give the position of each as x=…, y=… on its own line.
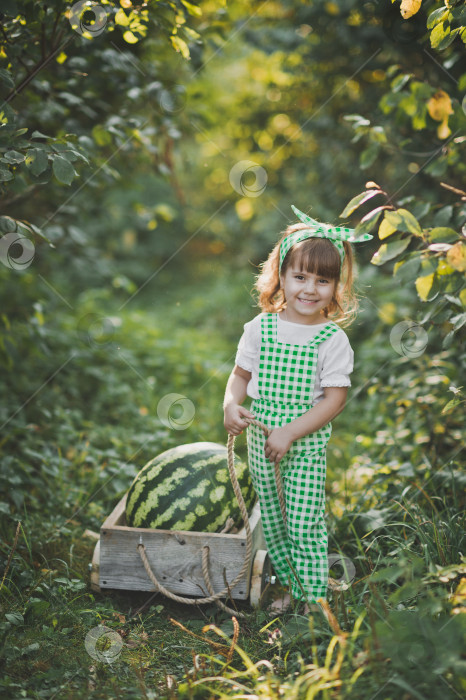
x=249, y=345
x=337, y=361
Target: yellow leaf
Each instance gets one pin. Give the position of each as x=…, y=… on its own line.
x=424, y=285
x=386, y=229
x=443, y=130
x=192, y=9
x=439, y=106
x=121, y=18
x=456, y=256
x=409, y=8
x=180, y=45
x=463, y=297
x=125, y=3
x=61, y=58
x=444, y=268
x=130, y=38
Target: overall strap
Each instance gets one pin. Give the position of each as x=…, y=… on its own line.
x=328, y=330
x=269, y=328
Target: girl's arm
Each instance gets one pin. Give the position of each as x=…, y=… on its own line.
x=235, y=393
x=279, y=441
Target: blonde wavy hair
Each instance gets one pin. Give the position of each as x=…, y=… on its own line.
x=317, y=256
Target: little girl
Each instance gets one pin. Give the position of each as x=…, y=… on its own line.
x=294, y=361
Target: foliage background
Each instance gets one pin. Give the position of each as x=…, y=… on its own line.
x=116, y=157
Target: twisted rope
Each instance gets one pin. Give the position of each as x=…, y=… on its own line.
x=214, y=597
x=278, y=476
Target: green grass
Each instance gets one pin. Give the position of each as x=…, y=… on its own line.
x=396, y=630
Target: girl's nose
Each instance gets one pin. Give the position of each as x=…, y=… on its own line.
x=310, y=285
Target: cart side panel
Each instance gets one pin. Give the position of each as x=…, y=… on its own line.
x=175, y=557
x=175, y=560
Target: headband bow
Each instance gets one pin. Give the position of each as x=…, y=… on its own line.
x=336, y=234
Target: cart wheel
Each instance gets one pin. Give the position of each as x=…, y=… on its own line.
x=94, y=568
x=260, y=577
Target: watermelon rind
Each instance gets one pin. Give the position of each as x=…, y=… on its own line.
x=188, y=488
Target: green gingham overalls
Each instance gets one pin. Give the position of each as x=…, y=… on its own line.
x=286, y=387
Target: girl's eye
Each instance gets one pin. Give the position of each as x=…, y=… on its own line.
x=322, y=280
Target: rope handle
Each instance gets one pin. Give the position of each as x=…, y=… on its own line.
x=214, y=597
x=278, y=475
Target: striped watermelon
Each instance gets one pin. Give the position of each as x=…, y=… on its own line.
x=188, y=488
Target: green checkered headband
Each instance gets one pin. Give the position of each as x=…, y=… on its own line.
x=317, y=230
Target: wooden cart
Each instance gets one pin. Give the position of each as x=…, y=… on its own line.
x=175, y=559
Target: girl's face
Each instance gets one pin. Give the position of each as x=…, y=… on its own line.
x=306, y=295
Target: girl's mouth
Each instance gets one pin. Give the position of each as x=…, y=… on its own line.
x=307, y=301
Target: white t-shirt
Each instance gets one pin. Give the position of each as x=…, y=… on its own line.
x=334, y=360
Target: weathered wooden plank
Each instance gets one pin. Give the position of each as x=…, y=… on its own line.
x=174, y=556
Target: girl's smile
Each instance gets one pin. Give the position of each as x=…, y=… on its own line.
x=306, y=295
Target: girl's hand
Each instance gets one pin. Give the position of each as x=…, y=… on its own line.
x=234, y=415
x=277, y=444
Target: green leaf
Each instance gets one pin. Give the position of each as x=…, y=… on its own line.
x=437, y=16
x=357, y=201
x=63, y=170
x=5, y=175
x=6, y=78
x=438, y=34
x=13, y=157
x=36, y=161
x=403, y=220
x=400, y=81
x=406, y=270
x=39, y=135
x=448, y=340
x=451, y=404
x=7, y=224
x=448, y=39
x=369, y=221
x=442, y=234
x=15, y=618
x=369, y=155
x=387, y=251
x=459, y=320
